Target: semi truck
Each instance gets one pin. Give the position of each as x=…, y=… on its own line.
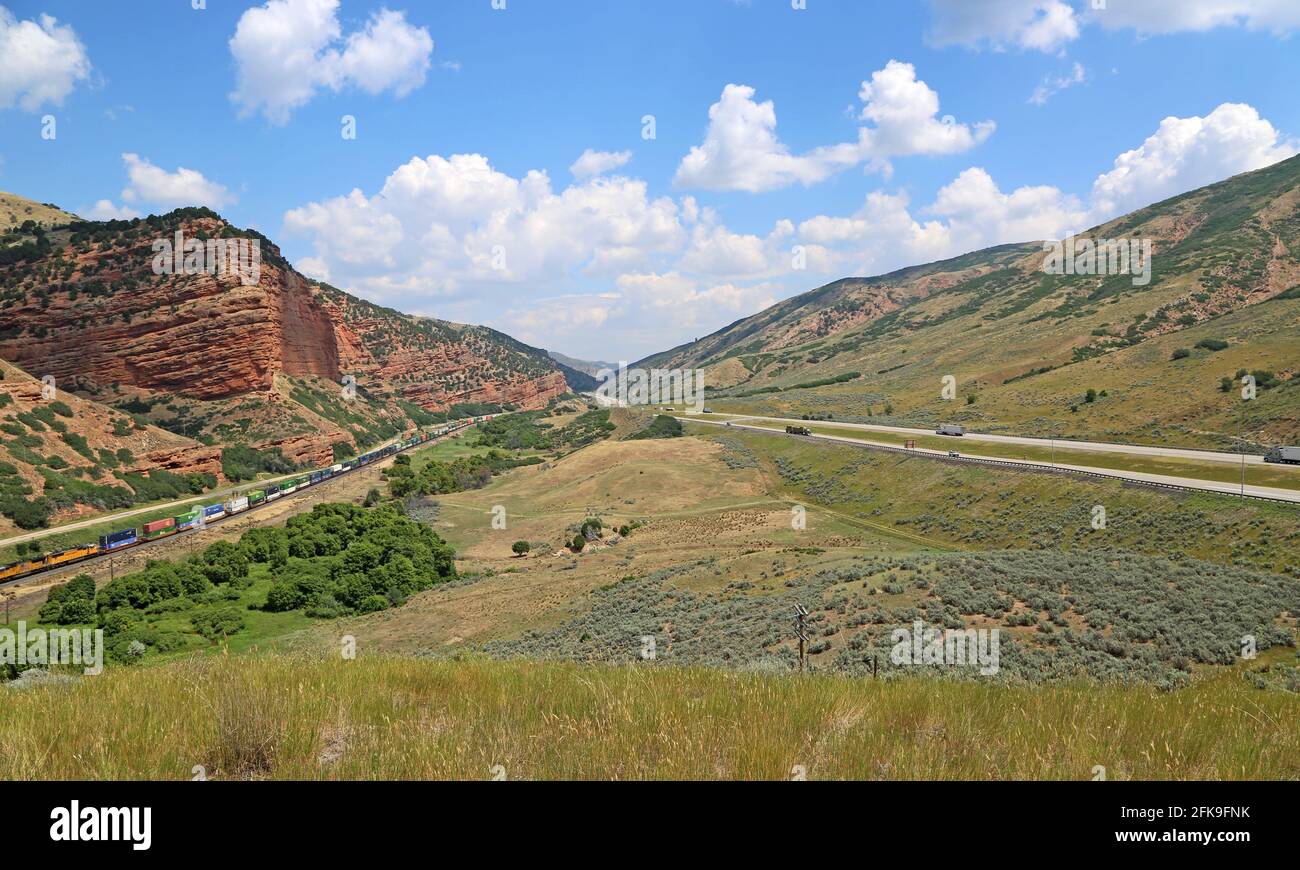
x=797, y=430
x=1288, y=455
x=950, y=429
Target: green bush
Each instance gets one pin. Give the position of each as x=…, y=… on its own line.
x=217, y=624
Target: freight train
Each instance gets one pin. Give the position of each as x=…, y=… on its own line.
x=199, y=517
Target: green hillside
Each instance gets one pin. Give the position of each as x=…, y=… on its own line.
x=1027, y=347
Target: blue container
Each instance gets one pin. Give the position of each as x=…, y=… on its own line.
x=114, y=540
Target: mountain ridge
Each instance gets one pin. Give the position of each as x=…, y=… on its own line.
x=1025, y=347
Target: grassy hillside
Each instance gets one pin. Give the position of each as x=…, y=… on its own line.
x=67, y=457
x=379, y=718
x=16, y=210
x=1026, y=347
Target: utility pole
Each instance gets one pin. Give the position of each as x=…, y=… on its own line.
x=800, y=612
x=1242, y=445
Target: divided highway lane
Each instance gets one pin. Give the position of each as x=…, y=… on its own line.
x=1158, y=480
x=1066, y=443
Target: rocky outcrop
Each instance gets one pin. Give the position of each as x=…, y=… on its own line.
x=433, y=363
x=102, y=313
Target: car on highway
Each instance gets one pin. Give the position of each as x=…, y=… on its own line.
x=954, y=454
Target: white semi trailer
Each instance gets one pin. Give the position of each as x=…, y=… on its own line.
x=1289, y=455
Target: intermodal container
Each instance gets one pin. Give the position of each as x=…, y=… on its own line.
x=159, y=528
x=188, y=520
x=114, y=540
x=256, y=497
x=236, y=505
x=214, y=512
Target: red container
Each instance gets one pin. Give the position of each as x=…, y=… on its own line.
x=159, y=525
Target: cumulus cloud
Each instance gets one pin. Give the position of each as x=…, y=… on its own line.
x=546, y=320
x=287, y=50
x=1035, y=25
x=41, y=61
x=441, y=224
x=593, y=163
x=973, y=212
x=183, y=187
x=1186, y=153
x=459, y=232
x=904, y=115
x=742, y=152
x=105, y=210
x=717, y=251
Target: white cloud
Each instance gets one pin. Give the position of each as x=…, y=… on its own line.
x=184, y=187
x=40, y=61
x=716, y=251
x=1036, y=25
x=693, y=302
x=287, y=50
x=1186, y=153
x=593, y=163
x=439, y=225
x=972, y=212
x=1050, y=86
x=904, y=113
x=105, y=210
x=1048, y=25
x=741, y=150
x=314, y=267
x=545, y=320
x=1171, y=16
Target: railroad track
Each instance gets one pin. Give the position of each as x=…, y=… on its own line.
x=55, y=570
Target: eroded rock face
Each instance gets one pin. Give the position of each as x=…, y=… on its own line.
x=208, y=336
x=433, y=363
x=97, y=309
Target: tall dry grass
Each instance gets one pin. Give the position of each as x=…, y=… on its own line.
x=296, y=718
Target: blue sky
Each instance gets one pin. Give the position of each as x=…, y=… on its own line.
x=772, y=169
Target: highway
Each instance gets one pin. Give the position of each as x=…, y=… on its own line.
x=1156, y=480
x=1061, y=443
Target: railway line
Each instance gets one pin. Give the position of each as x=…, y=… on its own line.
x=202, y=517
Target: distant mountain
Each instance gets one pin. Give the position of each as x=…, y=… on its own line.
x=1025, y=346
x=585, y=366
